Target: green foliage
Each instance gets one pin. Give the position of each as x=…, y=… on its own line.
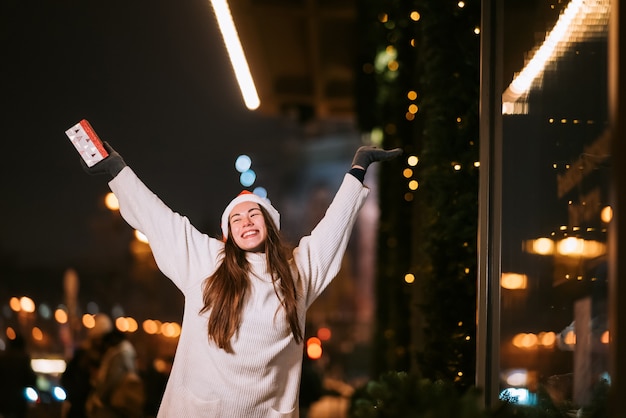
x=398, y=394
x=404, y=395
x=430, y=232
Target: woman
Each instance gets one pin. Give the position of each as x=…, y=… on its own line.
x=246, y=297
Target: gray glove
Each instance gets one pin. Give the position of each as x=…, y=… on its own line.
x=111, y=165
x=366, y=155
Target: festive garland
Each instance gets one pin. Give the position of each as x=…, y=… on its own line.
x=431, y=52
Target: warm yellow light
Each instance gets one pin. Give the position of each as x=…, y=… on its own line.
x=14, y=303
x=570, y=246
x=578, y=247
x=604, y=339
x=170, y=329
x=27, y=304
x=457, y=167
x=529, y=340
x=131, y=324
x=111, y=202
x=415, y=16
x=461, y=4
x=236, y=54
x=413, y=185
x=407, y=173
x=606, y=214
x=513, y=281
x=547, y=339
x=413, y=109
x=314, y=348
x=517, y=340
x=570, y=338
x=11, y=334
x=412, y=95
x=121, y=324
x=412, y=160
x=542, y=246
x=60, y=316
x=409, y=278
x=37, y=334
x=150, y=326
x=89, y=321
x=126, y=324
x=525, y=340
x=162, y=366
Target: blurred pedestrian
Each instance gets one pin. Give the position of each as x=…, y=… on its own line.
x=81, y=368
x=117, y=388
x=246, y=294
x=16, y=374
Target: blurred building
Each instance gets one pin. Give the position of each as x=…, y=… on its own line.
x=551, y=242
x=551, y=249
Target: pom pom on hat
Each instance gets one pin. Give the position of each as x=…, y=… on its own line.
x=247, y=196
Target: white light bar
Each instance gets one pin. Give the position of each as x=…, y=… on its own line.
x=236, y=54
x=580, y=20
x=48, y=365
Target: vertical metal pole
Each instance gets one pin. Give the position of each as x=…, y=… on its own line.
x=490, y=204
x=617, y=228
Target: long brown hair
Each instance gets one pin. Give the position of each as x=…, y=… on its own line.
x=226, y=290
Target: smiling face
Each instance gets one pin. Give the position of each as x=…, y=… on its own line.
x=247, y=226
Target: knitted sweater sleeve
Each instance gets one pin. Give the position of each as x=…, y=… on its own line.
x=183, y=253
x=319, y=255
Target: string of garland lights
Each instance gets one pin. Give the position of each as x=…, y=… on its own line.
x=419, y=87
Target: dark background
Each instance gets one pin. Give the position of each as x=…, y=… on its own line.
x=154, y=79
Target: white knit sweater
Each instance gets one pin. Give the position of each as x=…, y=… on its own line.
x=262, y=378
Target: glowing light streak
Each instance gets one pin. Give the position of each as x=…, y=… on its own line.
x=236, y=54
x=572, y=26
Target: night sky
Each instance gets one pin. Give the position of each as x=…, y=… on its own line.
x=154, y=80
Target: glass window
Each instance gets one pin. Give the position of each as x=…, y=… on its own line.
x=555, y=184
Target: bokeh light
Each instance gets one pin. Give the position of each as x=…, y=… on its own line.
x=243, y=163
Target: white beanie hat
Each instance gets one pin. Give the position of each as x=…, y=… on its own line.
x=246, y=196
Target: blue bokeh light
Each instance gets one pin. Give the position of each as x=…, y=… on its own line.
x=243, y=163
x=260, y=191
x=247, y=178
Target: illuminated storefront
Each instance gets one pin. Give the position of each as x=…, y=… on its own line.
x=548, y=209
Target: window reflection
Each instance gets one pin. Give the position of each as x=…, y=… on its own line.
x=556, y=160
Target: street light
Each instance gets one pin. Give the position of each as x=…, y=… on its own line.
x=236, y=54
